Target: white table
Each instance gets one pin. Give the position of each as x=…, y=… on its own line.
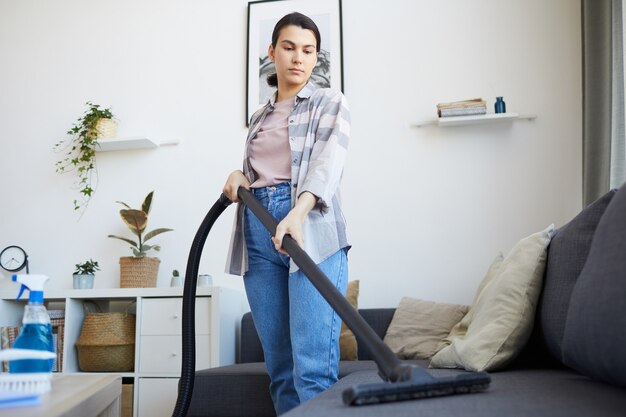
x=76, y=395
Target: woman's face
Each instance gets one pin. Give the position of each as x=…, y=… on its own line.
x=294, y=56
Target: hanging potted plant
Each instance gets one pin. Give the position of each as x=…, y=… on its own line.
x=139, y=270
x=80, y=150
x=85, y=274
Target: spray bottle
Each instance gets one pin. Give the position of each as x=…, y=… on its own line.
x=36, y=331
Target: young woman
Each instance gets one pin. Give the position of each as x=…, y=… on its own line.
x=293, y=164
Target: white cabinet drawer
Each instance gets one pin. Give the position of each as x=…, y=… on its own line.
x=157, y=397
x=163, y=354
x=163, y=316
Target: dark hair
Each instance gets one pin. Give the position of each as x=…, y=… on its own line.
x=295, y=19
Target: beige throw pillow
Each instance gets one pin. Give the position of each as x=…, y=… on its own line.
x=418, y=326
x=501, y=317
x=460, y=328
x=348, y=348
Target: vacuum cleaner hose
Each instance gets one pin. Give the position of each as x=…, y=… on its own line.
x=188, y=368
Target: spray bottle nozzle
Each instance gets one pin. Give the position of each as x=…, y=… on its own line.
x=22, y=288
x=33, y=283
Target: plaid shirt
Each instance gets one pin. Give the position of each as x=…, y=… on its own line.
x=319, y=130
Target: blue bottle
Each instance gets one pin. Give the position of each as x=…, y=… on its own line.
x=500, y=105
x=36, y=332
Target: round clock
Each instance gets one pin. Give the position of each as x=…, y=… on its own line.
x=13, y=259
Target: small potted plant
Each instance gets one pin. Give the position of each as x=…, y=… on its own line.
x=80, y=150
x=139, y=270
x=176, y=280
x=85, y=274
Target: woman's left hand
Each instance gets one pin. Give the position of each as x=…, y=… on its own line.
x=292, y=223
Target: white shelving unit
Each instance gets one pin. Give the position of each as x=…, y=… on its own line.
x=129, y=143
x=474, y=120
x=157, y=334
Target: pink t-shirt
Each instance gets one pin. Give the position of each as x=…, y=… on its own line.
x=269, y=150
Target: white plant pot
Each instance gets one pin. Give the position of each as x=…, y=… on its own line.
x=83, y=281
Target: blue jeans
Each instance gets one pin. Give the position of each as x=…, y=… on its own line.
x=298, y=329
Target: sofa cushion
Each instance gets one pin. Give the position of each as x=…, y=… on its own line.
x=418, y=326
x=595, y=335
x=567, y=254
x=347, y=341
x=503, y=314
x=520, y=393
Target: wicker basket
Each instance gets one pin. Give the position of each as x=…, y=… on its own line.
x=107, y=343
x=106, y=128
x=138, y=272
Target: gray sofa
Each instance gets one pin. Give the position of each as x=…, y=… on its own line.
x=573, y=365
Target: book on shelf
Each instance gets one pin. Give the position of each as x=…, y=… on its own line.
x=57, y=321
x=4, y=344
x=60, y=343
x=55, y=363
x=462, y=108
x=8, y=336
x=463, y=112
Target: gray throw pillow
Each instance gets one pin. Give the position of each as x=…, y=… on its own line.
x=567, y=254
x=595, y=331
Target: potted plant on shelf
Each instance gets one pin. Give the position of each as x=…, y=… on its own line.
x=139, y=270
x=85, y=274
x=176, y=280
x=80, y=150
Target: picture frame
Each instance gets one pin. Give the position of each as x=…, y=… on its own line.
x=262, y=17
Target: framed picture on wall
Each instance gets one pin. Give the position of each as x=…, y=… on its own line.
x=262, y=17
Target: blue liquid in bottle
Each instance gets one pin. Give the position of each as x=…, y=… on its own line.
x=36, y=336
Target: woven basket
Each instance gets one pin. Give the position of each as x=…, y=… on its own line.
x=138, y=272
x=106, y=128
x=107, y=343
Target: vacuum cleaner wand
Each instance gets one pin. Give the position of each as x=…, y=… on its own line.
x=408, y=381
x=390, y=367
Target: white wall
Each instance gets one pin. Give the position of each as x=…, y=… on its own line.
x=428, y=208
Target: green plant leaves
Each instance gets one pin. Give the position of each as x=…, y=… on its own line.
x=88, y=267
x=156, y=232
x=136, y=220
x=147, y=202
x=124, y=204
x=132, y=242
x=80, y=152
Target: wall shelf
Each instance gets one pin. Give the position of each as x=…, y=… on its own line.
x=473, y=120
x=129, y=143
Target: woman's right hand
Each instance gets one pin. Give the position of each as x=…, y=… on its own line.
x=235, y=180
